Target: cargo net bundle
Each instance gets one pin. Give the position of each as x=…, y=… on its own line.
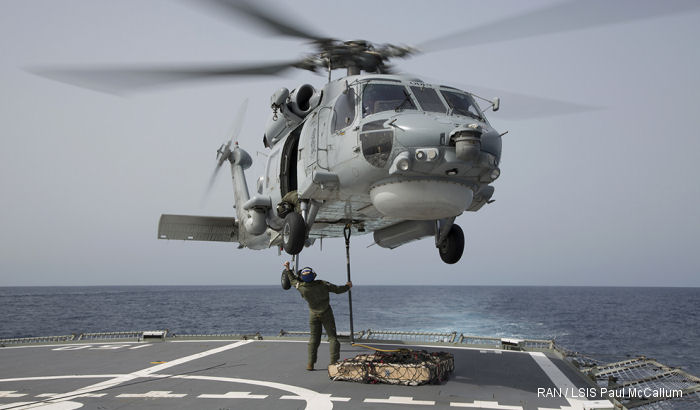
x=406, y=367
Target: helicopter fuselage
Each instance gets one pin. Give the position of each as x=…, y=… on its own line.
x=374, y=151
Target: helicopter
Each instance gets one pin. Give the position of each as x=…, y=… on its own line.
x=371, y=151
x=384, y=153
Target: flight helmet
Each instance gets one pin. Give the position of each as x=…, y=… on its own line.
x=307, y=274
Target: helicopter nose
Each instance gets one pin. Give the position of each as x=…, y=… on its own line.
x=418, y=130
x=438, y=164
x=443, y=145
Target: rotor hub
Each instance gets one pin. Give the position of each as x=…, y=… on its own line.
x=354, y=55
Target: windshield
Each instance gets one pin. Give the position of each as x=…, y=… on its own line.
x=428, y=99
x=461, y=103
x=385, y=97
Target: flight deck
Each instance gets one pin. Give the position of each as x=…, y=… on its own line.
x=257, y=372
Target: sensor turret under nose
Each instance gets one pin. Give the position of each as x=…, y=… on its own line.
x=467, y=141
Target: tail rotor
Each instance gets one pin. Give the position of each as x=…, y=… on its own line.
x=224, y=152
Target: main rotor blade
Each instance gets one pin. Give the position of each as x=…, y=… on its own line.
x=273, y=23
x=116, y=80
x=561, y=17
x=515, y=106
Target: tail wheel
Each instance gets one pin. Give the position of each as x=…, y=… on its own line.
x=293, y=233
x=452, y=247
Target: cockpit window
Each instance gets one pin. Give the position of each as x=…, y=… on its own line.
x=428, y=99
x=461, y=104
x=385, y=97
x=344, y=110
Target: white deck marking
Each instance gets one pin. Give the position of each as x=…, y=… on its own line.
x=491, y=351
x=583, y=405
x=402, y=400
x=75, y=397
x=15, y=405
x=11, y=393
x=328, y=396
x=109, y=347
x=139, y=347
x=314, y=400
x=65, y=405
x=598, y=404
x=89, y=395
x=233, y=395
x=161, y=394
x=555, y=375
x=201, y=341
x=565, y=385
x=486, y=405
x=72, y=347
x=73, y=376
x=63, y=344
x=141, y=373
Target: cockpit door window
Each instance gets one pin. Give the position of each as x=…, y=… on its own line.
x=461, y=104
x=344, y=110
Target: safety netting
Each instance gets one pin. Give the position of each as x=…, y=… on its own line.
x=406, y=367
x=647, y=384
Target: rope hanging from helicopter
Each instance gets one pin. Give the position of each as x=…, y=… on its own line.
x=346, y=233
x=404, y=363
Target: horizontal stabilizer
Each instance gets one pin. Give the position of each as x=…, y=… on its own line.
x=198, y=228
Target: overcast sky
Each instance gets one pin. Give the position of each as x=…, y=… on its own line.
x=605, y=197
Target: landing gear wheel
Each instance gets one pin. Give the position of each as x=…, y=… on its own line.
x=452, y=247
x=293, y=233
x=286, y=284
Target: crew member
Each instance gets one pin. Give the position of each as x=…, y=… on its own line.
x=316, y=294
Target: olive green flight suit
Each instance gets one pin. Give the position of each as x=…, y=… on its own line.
x=293, y=198
x=320, y=313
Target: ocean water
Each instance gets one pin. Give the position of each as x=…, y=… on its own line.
x=605, y=323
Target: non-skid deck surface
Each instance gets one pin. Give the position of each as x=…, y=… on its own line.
x=267, y=375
